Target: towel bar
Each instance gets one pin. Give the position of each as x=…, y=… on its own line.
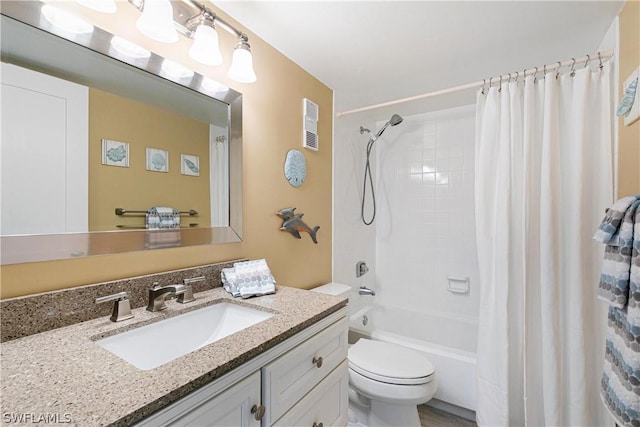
x=121, y=211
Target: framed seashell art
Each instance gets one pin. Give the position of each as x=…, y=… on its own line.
x=115, y=153
x=629, y=106
x=189, y=165
x=157, y=160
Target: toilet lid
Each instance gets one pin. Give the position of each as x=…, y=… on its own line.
x=389, y=363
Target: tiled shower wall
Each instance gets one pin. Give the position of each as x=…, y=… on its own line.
x=425, y=222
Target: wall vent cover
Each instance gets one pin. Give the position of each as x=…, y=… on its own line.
x=310, y=125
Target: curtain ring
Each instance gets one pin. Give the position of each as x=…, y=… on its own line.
x=484, y=81
x=535, y=75
x=490, y=78
x=573, y=65
x=600, y=60
x=558, y=70
x=500, y=84
x=587, y=61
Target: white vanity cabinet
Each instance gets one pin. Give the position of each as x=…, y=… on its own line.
x=301, y=381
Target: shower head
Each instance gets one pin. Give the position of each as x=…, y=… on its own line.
x=393, y=121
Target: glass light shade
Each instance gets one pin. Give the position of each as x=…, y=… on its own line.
x=65, y=21
x=128, y=49
x=205, y=48
x=104, y=6
x=156, y=21
x=176, y=70
x=241, y=69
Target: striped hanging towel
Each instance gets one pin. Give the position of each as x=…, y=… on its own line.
x=620, y=288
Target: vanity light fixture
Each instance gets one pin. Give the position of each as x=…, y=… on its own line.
x=241, y=69
x=65, y=21
x=156, y=21
x=163, y=19
x=205, y=48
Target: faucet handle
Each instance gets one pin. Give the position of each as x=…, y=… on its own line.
x=193, y=280
x=186, y=295
x=121, y=306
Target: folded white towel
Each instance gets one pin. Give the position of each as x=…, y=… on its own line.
x=249, y=278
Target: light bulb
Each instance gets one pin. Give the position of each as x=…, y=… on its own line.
x=205, y=48
x=104, y=6
x=65, y=21
x=241, y=69
x=156, y=21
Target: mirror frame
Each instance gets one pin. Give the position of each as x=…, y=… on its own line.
x=48, y=247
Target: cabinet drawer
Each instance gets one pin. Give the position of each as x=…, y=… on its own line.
x=232, y=407
x=290, y=377
x=326, y=405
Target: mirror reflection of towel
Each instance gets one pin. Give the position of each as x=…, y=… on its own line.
x=162, y=218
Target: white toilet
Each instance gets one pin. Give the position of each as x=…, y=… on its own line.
x=386, y=381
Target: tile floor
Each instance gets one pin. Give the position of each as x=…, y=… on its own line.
x=431, y=417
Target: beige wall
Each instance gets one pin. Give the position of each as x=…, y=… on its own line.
x=135, y=188
x=272, y=125
x=629, y=136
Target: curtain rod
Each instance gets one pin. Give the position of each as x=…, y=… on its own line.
x=599, y=56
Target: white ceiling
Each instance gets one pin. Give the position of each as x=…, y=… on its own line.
x=375, y=51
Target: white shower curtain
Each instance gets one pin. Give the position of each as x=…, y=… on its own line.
x=543, y=180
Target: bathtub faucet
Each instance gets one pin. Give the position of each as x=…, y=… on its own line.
x=366, y=291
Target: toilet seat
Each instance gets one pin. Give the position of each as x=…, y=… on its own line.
x=389, y=363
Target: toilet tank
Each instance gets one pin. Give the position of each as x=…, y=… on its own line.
x=335, y=289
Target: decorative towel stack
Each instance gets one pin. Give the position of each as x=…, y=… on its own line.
x=161, y=218
x=620, y=288
x=249, y=278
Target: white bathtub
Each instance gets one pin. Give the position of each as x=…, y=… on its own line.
x=452, y=354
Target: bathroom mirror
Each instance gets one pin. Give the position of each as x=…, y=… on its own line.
x=31, y=42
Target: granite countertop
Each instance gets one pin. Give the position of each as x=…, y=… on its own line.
x=64, y=374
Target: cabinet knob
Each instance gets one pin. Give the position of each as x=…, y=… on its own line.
x=258, y=411
x=317, y=425
x=317, y=361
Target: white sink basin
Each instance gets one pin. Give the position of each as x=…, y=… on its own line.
x=158, y=343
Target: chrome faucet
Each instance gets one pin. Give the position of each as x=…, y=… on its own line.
x=158, y=295
x=366, y=291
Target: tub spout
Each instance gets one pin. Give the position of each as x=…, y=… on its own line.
x=366, y=291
